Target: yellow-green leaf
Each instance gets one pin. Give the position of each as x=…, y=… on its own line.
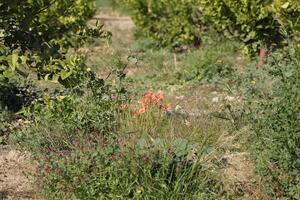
x=14, y=61
x=64, y=74
x=286, y=5
x=55, y=78
x=8, y=74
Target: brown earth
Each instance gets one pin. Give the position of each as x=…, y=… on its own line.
x=15, y=183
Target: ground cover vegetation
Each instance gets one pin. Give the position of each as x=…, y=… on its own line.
x=112, y=116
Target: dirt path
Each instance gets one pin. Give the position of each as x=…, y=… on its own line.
x=14, y=184
x=120, y=26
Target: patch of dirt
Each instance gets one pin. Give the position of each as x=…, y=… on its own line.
x=238, y=176
x=14, y=184
x=120, y=26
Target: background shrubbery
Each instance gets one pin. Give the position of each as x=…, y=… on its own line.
x=251, y=22
x=258, y=24
x=169, y=22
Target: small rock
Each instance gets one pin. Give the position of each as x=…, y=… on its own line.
x=215, y=99
x=179, y=97
x=178, y=108
x=229, y=98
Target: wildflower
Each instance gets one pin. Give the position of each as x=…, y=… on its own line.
x=166, y=107
x=152, y=99
x=157, y=97
x=141, y=110
x=147, y=98
x=253, y=82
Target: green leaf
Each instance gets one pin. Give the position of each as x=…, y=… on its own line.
x=65, y=74
x=3, y=58
x=8, y=74
x=55, y=78
x=181, y=147
x=46, y=78
x=14, y=61
x=286, y=5
x=3, y=67
x=23, y=59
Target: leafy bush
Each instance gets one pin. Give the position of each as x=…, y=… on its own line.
x=35, y=36
x=251, y=22
x=170, y=22
x=288, y=15
x=257, y=23
x=273, y=107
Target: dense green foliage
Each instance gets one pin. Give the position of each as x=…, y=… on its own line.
x=276, y=125
x=250, y=21
x=257, y=23
x=170, y=22
x=36, y=36
x=287, y=13
x=271, y=109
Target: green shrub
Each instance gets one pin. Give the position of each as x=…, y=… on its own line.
x=169, y=22
x=251, y=22
x=273, y=107
x=257, y=23
x=35, y=37
x=288, y=15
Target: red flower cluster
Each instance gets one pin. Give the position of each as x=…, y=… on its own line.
x=151, y=98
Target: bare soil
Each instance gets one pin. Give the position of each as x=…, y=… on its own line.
x=15, y=168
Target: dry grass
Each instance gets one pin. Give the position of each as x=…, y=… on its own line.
x=14, y=182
